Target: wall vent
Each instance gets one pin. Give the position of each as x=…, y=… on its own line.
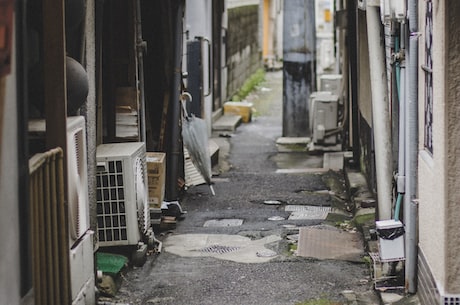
x=451, y=300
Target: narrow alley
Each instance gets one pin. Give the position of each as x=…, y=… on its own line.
x=234, y=247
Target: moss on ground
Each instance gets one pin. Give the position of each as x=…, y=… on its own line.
x=249, y=85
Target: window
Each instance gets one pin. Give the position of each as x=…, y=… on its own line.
x=428, y=130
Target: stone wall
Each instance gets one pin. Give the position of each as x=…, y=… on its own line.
x=243, y=51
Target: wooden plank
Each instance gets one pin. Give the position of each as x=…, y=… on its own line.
x=54, y=62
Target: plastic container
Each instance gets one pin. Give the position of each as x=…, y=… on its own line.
x=391, y=239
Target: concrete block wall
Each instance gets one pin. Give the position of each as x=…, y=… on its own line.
x=243, y=52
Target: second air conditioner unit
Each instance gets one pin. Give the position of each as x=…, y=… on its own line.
x=122, y=201
x=323, y=117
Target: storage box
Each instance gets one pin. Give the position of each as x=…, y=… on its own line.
x=391, y=239
x=156, y=167
x=243, y=109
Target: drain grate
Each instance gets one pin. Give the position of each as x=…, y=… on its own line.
x=218, y=249
x=305, y=208
x=302, y=212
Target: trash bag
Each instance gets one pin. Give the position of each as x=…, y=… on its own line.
x=390, y=233
x=195, y=136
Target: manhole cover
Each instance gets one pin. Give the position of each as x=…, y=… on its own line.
x=218, y=249
x=223, y=223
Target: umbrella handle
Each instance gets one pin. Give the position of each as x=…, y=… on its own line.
x=183, y=98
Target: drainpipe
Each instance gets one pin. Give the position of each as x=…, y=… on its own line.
x=175, y=149
x=400, y=180
x=141, y=47
x=411, y=152
x=380, y=112
x=352, y=51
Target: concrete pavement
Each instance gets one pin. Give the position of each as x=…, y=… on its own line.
x=255, y=260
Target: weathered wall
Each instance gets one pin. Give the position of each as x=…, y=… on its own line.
x=453, y=146
x=432, y=167
x=243, y=54
x=9, y=222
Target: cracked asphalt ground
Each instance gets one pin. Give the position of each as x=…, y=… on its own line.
x=245, y=178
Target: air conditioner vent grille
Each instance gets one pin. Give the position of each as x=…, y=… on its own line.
x=78, y=140
x=111, y=205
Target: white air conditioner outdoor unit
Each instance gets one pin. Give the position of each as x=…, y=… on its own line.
x=324, y=118
x=77, y=173
x=332, y=83
x=122, y=200
x=313, y=96
x=80, y=237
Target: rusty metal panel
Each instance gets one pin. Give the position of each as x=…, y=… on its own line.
x=330, y=243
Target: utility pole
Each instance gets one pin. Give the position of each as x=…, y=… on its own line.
x=299, y=66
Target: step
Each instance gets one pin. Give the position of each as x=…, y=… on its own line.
x=292, y=144
x=333, y=160
x=227, y=122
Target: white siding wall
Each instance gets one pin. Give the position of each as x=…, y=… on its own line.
x=432, y=169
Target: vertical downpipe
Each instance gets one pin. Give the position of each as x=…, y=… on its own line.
x=352, y=41
x=411, y=152
x=172, y=192
x=400, y=182
x=380, y=112
x=140, y=48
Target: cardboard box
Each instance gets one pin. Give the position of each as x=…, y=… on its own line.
x=243, y=109
x=156, y=167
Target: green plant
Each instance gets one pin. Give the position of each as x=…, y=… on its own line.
x=249, y=85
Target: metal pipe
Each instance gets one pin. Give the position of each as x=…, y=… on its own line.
x=400, y=179
x=380, y=113
x=175, y=149
x=352, y=50
x=402, y=103
x=411, y=152
x=141, y=46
